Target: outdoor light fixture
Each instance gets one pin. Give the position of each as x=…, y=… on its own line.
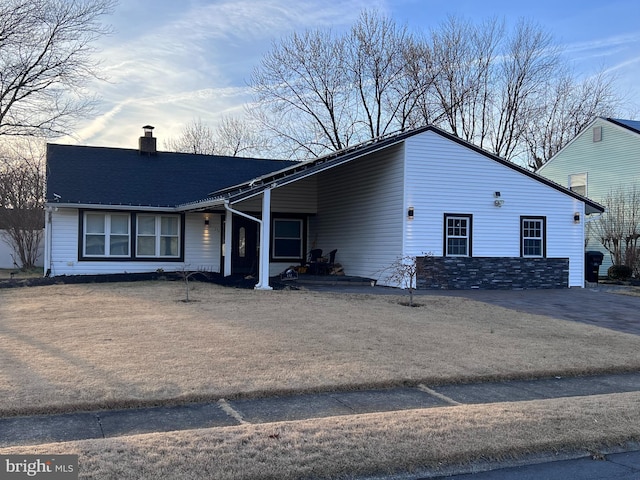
x=410, y=213
x=576, y=217
x=206, y=222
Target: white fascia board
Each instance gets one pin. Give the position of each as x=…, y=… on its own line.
x=93, y=206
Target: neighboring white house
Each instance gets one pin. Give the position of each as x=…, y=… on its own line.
x=410, y=194
x=605, y=156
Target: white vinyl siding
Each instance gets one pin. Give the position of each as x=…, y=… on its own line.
x=297, y=197
x=361, y=213
x=443, y=176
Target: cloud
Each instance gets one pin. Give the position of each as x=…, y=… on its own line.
x=180, y=60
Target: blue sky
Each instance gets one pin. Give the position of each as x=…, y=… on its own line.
x=169, y=62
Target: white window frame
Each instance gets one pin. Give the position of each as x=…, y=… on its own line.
x=525, y=235
x=158, y=236
x=107, y=234
x=467, y=234
x=275, y=238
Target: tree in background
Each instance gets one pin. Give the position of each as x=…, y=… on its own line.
x=195, y=137
x=318, y=92
x=22, y=184
x=618, y=229
x=45, y=63
x=232, y=137
x=509, y=92
x=568, y=107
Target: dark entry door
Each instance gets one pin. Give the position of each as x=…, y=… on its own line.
x=244, y=246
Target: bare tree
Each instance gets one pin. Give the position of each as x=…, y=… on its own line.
x=618, y=229
x=45, y=62
x=236, y=137
x=507, y=91
x=22, y=202
x=232, y=137
x=568, y=106
x=403, y=272
x=320, y=92
x=196, y=137
x=377, y=54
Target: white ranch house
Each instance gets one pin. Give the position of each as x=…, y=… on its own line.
x=485, y=222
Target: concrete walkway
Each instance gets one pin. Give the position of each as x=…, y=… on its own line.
x=38, y=429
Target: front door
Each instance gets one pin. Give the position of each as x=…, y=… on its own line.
x=244, y=246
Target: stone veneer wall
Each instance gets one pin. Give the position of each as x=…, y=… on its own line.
x=491, y=273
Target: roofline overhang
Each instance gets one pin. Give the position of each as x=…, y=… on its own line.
x=311, y=167
x=94, y=206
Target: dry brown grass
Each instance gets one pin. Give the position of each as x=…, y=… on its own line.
x=67, y=347
x=380, y=443
x=6, y=273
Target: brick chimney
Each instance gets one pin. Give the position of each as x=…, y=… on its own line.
x=147, y=143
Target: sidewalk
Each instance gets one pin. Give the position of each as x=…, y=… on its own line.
x=32, y=430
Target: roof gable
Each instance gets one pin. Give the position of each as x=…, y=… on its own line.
x=628, y=126
x=116, y=176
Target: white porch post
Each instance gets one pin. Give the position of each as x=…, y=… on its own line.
x=265, y=236
x=228, y=228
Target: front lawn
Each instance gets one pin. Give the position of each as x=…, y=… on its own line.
x=92, y=346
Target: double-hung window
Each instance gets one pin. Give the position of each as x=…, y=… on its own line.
x=157, y=236
x=106, y=234
x=287, y=238
x=532, y=233
x=457, y=238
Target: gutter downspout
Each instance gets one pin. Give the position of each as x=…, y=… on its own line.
x=263, y=266
x=48, y=241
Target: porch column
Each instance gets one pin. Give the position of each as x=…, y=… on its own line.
x=228, y=228
x=265, y=237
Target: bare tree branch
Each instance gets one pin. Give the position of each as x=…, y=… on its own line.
x=46, y=58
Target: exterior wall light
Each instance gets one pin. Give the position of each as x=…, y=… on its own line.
x=410, y=213
x=206, y=222
x=576, y=217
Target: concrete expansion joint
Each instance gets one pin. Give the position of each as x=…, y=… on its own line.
x=433, y=393
x=232, y=412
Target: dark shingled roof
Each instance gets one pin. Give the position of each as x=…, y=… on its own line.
x=630, y=124
x=118, y=176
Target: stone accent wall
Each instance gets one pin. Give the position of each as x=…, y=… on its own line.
x=490, y=273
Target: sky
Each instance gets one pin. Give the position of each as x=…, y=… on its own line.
x=169, y=62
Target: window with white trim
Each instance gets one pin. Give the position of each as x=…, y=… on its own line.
x=106, y=234
x=533, y=236
x=457, y=235
x=158, y=236
x=287, y=238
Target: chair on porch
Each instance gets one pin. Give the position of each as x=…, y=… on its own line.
x=313, y=261
x=327, y=266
